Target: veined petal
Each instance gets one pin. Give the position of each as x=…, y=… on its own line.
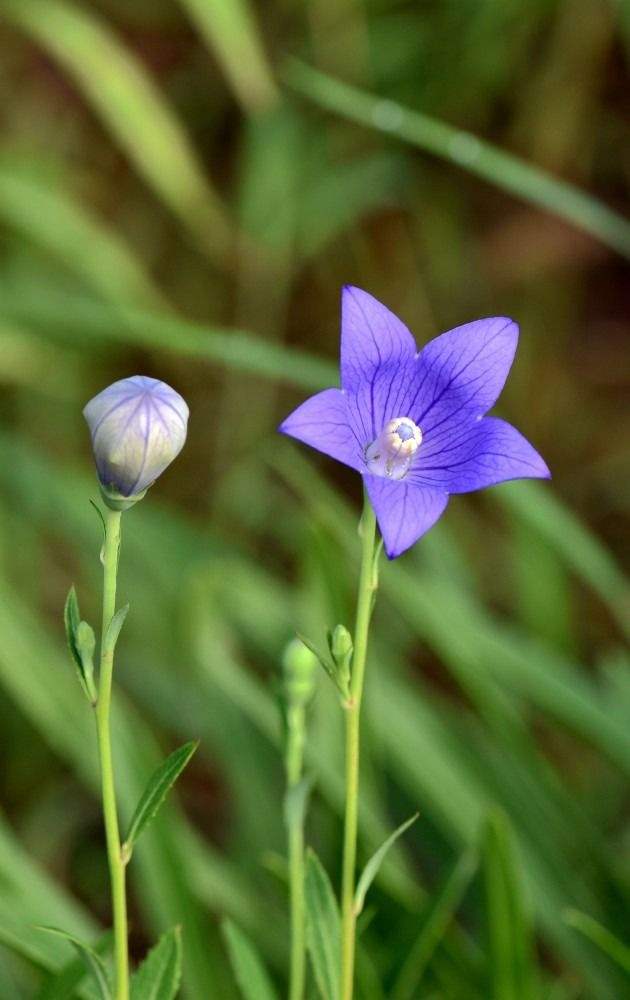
x=323, y=423
x=371, y=339
x=482, y=454
x=460, y=374
x=404, y=511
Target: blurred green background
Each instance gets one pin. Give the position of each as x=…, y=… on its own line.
x=184, y=187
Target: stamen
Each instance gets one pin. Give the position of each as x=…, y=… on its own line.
x=391, y=453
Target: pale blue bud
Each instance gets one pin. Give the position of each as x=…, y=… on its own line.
x=138, y=426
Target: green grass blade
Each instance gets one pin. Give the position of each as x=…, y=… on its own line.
x=121, y=92
x=97, y=323
x=230, y=30
x=249, y=971
x=443, y=908
x=323, y=927
x=53, y=220
x=511, y=954
x=605, y=940
x=465, y=150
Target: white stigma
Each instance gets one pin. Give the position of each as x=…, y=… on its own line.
x=391, y=453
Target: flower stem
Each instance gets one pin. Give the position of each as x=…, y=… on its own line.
x=110, y=815
x=367, y=586
x=294, y=762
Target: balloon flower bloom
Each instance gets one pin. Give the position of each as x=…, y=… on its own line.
x=414, y=423
x=138, y=426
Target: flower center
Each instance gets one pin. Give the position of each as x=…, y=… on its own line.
x=391, y=453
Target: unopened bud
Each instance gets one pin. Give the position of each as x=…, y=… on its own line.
x=298, y=667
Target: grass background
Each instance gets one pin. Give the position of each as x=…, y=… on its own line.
x=184, y=187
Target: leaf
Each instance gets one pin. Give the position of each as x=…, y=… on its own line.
x=249, y=971
x=161, y=781
x=114, y=627
x=230, y=29
x=465, y=150
x=434, y=926
x=323, y=927
x=62, y=984
x=159, y=975
x=93, y=961
x=82, y=643
x=115, y=82
x=329, y=666
x=296, y=800
x=605, y=940
x=370, y=871
x=511, y=953
x=51, y=218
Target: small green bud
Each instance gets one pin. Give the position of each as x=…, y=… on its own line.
x=298, y=667
x=341, y=646
x=341, y=649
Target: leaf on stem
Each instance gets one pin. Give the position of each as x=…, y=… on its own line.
x=93, y=961
x=114, y=627
x=250, y=973
x=82, y=643
x=296, y=800
x=337, y=677
x=160, y=783
x=323, y=927
x=371, y=869
x=159, y=976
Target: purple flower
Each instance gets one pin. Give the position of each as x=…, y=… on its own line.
x=413, y=422
x=138, y=426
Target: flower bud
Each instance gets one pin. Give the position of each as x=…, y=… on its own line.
x=298, y=666
x=138, y=426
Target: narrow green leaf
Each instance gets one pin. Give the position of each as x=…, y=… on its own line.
x=123, y=94
x=81, y=643
x=159, y=975
x=51, y=218
x=512, y=970
x=296, y=800
x=161, y=781
x=434, y=927
x=370, y=871
x=323, y=927
x=605, y=940
x=249, y=970
x=328, y=665
x=97, y=322
x=466, y=150
x=62, y=985
x=92, y=959
x=114, y=627
x=229, y=27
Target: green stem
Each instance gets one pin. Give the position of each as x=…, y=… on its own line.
x=110, y=815
x=294, y=763
x=367, y=585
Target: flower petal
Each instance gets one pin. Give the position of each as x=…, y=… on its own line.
x=322, y=422
x=478, y=455
x=371, y=338
x=403, y=510
x=460, y=374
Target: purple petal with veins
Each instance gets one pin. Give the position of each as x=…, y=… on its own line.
x=414, y=423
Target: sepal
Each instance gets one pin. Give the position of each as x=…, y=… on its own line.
x=118, y=502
